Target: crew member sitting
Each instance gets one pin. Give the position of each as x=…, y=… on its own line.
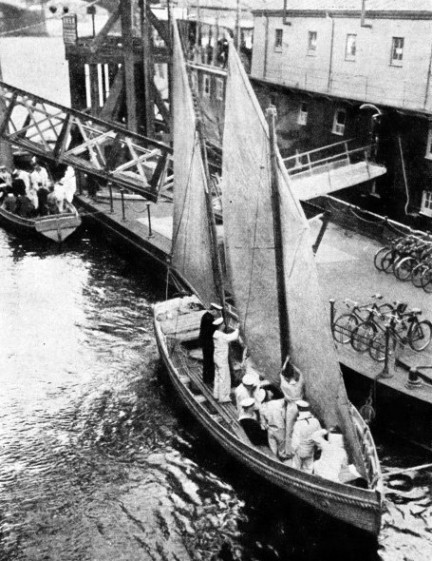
x=334, y=459
x=10, y=203
x=272, y=418
x=303, y=446
x=247, y=388
x=26, y=207
x=249, y=421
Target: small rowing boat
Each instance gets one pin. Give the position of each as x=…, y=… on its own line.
x=56, y=227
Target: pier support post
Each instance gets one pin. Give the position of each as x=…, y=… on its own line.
x=123, y=204
x=149, y=221
x=385, y=372
x=111, y=197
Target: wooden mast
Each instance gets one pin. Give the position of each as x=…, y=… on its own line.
x=216, y=262
x=277, y=231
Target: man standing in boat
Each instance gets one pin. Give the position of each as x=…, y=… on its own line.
x=221, y=341
x=40, y=183
x=303, y=444
x=292, y=387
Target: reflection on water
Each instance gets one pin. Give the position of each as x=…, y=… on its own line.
x=97, y=460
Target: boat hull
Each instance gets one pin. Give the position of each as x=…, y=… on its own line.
x=56, y=227
x=357, y=507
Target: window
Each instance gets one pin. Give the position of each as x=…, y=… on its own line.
x=428, y=154
x=206, y=85
x=339, y=122
x=312, y=43
x=426, y=204
x=350, y=46
x=397, y=51
x=278, y=40
x=303, y=114
x=219, y=88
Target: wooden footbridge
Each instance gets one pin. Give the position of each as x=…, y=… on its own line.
x=103, y=150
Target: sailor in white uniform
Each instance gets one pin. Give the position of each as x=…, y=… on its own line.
x=221, y=341
x=334, y=458
x=302, y=444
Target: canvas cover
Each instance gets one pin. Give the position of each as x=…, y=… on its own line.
x=249, y=239
x=191, y=242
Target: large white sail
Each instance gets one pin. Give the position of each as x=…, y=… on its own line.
x=191, y=245
x=250, y=252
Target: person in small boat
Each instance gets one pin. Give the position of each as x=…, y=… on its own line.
x=24, y=176
x=26, y=208
x=249, y=421
x=334, y=458
x=5, y=182
x=272, y=419
x=292, y=387
x=221, y=341
x=302, y=443
x=207, y=330
x=18, y=184
x=247, y=388
x=40, y=183
x=52, y=207
x=10, y=203
x=69, y=188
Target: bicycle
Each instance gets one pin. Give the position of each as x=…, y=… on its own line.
x=365, y=331
x=344, y=325
x=404, y=267
x=386, y=256
x=418, y=335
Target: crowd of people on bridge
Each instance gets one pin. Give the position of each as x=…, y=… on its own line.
x=278, y=417
x=30, y=194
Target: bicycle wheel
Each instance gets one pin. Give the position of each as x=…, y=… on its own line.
x=362, y=335
x=403, y=268
x=387, y=261
x=379, y=256
x=426, y=281
x=419, y=335
x=417, y=274
x=343, y=327
x=377, y=348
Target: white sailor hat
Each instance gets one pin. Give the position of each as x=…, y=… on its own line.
x=302, y=405
x=215, y=306
x=247, y=402
x=249, y=379
x=260, y=395
x=218, y=321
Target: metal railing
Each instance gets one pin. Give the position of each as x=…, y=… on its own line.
x=326, y=158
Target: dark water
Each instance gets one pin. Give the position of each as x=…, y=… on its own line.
x=97, y=460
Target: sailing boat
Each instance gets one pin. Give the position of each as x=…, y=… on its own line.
x=275, y=289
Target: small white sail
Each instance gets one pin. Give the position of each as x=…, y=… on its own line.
x=250, y=252
x=191, y=246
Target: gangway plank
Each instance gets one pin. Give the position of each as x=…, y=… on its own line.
x=101, y=149
x=331, y=168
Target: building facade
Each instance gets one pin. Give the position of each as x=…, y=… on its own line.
x=353, y=69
